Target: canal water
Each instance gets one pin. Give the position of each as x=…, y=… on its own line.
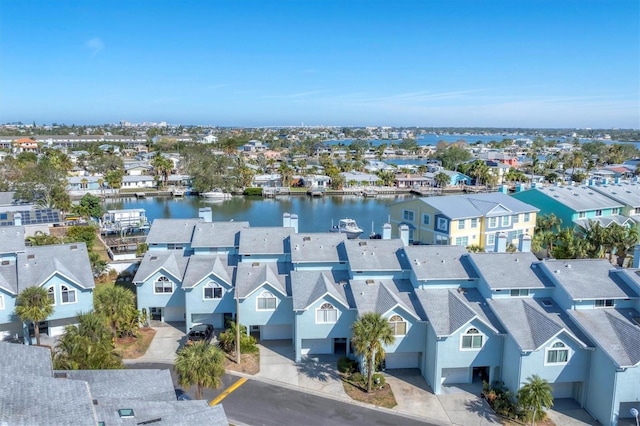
x=314, y=214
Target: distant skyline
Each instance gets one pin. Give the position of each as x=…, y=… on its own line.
x=448, y=63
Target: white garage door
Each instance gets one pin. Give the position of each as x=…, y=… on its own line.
x=275, y=332
x=454, y=375
x=562, y=390
x=173, y=314
x=215, y=320
x=402, y=360
x=317, y=346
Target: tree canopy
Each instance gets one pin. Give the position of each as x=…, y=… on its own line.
x=371, y=333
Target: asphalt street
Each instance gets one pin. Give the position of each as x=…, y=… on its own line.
x=258, y=403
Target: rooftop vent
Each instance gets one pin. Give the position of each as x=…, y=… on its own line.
x=148, y=422
x=60, y=375
x=154, y=258
x=362, y=243
x=5, y=262
x=568, y=265
x=306, y=238
x=31, y=256
x=73, y=247
x=95, y=402
x=254, y=264
x=547, y=303
x=370, y=282
x=126, y=413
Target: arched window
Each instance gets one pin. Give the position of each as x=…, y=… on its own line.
x=212, y=291
x=558, y=353
x=326, y=314
x=398, y=325
x=266, y=301
x=51, y=293
x=68, y=294
x=163, y=285
x=472, y=339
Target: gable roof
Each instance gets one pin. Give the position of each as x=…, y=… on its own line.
x=374, y=255
x=252, y=276
x=318, y=247
x=494, y=266
x=203, y=266
x=217, y=234
x=171, y=231
x=435, y=262
x=532, y=325
x=171, y=262
x=12, y=239
x=264, y=240
x=307, y=287
x=384, y=295
x=613, y=331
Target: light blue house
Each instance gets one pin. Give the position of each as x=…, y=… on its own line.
x=63, y=270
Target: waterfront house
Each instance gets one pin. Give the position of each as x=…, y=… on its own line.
x=455, y=178
x=360, y=179
x=458, y=318
x=464, y=220
x=574, y=205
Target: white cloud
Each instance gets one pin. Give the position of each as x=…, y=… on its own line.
x=94, y=44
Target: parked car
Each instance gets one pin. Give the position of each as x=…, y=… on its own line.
x=199, y=333
x=182, y=395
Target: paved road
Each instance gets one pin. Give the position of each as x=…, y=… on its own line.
x=257, y=403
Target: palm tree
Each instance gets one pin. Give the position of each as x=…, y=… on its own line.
x=86, y=346
x=285, y=174
x=371, y=333
x=118, y=306
x=201, y=365
x=162, y=167
x=442, y=179
x=33, y=305
x=535, y=396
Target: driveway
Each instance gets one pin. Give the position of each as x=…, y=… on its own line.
x=165, y=344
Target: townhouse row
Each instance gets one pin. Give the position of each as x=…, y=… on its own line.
x=457, y=317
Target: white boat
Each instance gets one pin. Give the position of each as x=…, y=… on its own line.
x=349, y=227
x=215, y=195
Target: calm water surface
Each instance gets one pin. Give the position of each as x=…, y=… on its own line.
x=314, y=214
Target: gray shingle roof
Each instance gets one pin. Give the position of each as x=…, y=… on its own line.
x=172, y=231
x=383, y=295
x=508, y=270
x=531, y=324
x=604, y=221
x=37, y=264
x=318, y=247
x=11, y=239
x=613, y=331
x=477, y=205
x=588, y=278
x=374, y=255
x=437, y=262
x=309, y=286
x=172, y=262
x=264, y=240
x=251, y=276
x=20, y=360
x=217, y=234
x=163, y=413
x=578, y=198
x=202, y=266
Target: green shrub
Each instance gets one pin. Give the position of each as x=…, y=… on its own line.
x=357, y=378
x=377, y=380
x=346, y=365
x=253, y=191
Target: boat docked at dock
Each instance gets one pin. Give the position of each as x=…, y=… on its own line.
x=348, y=227
x=215, y=195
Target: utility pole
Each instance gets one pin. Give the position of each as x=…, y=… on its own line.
x=237, y=326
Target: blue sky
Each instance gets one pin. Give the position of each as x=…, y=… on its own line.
x=455, y=63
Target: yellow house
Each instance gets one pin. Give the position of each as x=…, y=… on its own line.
x=491, y=221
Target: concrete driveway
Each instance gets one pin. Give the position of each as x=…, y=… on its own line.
x=165, y=344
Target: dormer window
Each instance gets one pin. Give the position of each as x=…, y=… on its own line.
x=472, y=339
x=266, y=301
x=68, y=294
x=51, y=294
x=519, y=292
x=163, y=285
x=398, y=325
x=604, y=303
x=326, y=314
x=558, y=353
x=212, y=291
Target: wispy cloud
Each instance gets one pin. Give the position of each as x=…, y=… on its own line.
x=217, y=86
x=95, y=45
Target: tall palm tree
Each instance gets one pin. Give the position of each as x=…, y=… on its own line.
x=33, y=305
x=535, y=396
x=201, y=365
x=118, y=306
x=86, y=346
x=371, y=333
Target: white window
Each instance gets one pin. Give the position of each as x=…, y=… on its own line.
x=637, y=210
x=598, y=212
x=491, y=239
x=212, y=291
x=266, y=301
x=526, y=217
x=474, y=222
x=604, y=303
x=462, y=241
x=493, y=222
x=163, y=285
x=398, y=325
x=407, y=215
x=326, y=314
x=68, y=294
x=515, y=218
x=426, y=219
x=520, y=292
x=506, y=220
x=582, y=215
x=51, y=293
x=471, y=339
x=442, y=240
x=442, y=224
x=558, y=353
x=461, y=224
